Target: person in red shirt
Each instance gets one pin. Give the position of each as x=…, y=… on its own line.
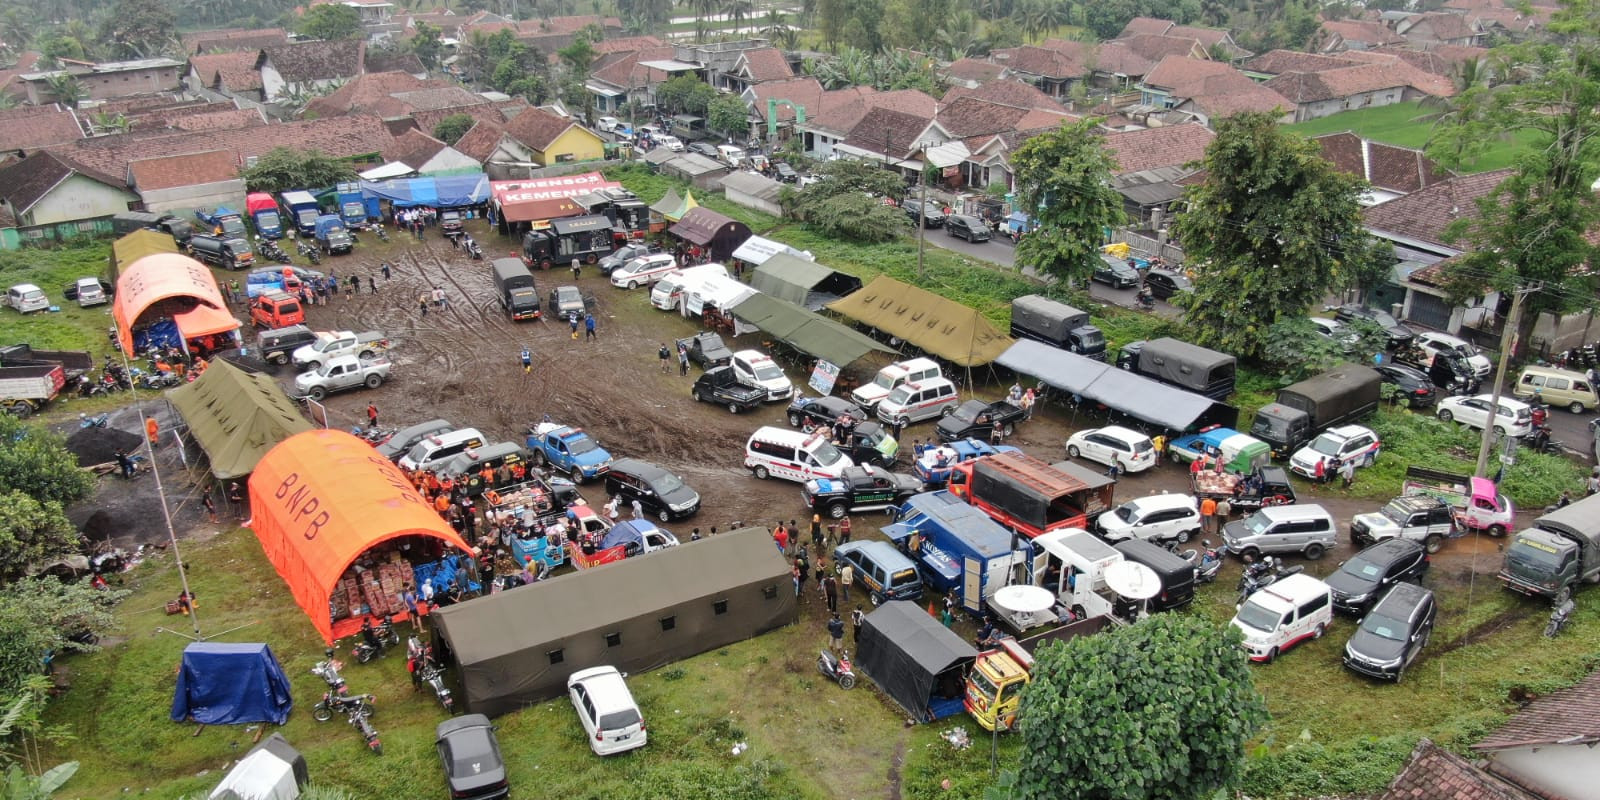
x=781, y=536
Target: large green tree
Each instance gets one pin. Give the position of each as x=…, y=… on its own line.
x=847, y=202
x=729, y=115
x=1273, y=229
x=138, y=29
x=39, y=616
x=1159, y=709
x=428, y=43
x=452, y=128
x=32, y=533
x=330, y=21
x=282, y=169
x=1533, y=230
x=685, y=94
x=1064, y=179
x=36, y=462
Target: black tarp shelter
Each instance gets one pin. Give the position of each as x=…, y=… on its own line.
x=718, y=233
x=914, y=659
x=804, y=330
x=517, y=647
x=1146, y=400
x=802, y=282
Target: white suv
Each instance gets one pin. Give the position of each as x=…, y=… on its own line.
x=889, y=378
x=1333, y=448
x=1158, y=517
x=606, y=708
x=1436, y=343
x=1512, y=417
x=758, y=369
x=1131, y=450
x=643, y=270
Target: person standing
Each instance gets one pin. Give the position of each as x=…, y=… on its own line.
x=1159, y=444
x=1347, y=471
x=802, y=573
x=830, y=592
x=997, y=433
x=638, y=509
x=422, y=303
x=1208, y=515
x=781, y=537
x=372, y=415
x=572, y=321
x=372, y=285
x=1224, y=510
x=816, y=532
x=152, y=431
x=857, y=619
x=209, y=505
x=1115, y=470
x=588, y=326
x=576, y=268
x=1028, y=399
x=527, y=358
x=236, y=498
x=385, y=269
x=683, y=361
x=666, y=357
x=844, y=531
x=836, y=632
x=847, y=578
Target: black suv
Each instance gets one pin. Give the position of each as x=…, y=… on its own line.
x=660, y=492
x=1164, y=284
x=932, y=216
x=970, y=228
x=1400, y=336
x=1414, y=388
x=1390, y=638
x=975, y=419
x=859, y=489
x=810, y=413
x=1115, y=272
x=1361, y=579
x=278, y=345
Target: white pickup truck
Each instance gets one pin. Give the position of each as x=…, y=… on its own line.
x=330, y=344
x=341, y=373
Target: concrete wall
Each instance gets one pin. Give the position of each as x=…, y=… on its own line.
x=1382, y=97
x=107, y=85
x=751, y=201
x=1563, y=770
x=76, y=198
x=185, y=199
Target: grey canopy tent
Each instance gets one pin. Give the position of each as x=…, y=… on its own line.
x=915, y=660
x=516, y=648
x=804, y=330
x=1144, y=399
x=274, y=770
x=803, y=282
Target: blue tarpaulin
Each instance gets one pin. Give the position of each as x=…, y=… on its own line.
x=226, y=684
x=440, y=191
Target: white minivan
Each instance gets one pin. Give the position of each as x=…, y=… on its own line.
x=868, y=395
x=90, y=292
x=1284, y=614
x=758, y=369
x=643, y=270
x=917, y=401
x=433, y=451
x=793, y=455
x=27, y=298
x=669, y=289
x=606, y=708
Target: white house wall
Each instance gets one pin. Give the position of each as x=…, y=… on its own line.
x=187, y=199
x=1571, y=771
x=76, y=198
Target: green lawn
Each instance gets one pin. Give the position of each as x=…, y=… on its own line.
x=1399, y=125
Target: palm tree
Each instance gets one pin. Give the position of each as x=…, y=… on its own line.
x=738, y=11
x=66, y=89
x=958, y=37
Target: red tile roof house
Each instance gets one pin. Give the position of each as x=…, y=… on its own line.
x=1320, y=94
x=1207, y=90
x=308, y=65
x=188, y=181
x=28, y=128
x=231, y=75
x=1392, y=171
x=894, y=138
x=1355, y=34
x=1551, y=747
x=1052, y=70
x=44, y=189
x=843, y=110
x=235, y=40
x=1434, y=773
x=1151, y=165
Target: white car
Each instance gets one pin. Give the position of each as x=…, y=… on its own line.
x=1131, y=450
x=1512, y=417
x=670, y=142
x=643, y=270
x=1333, y=448
x=1158, y=517
x=758, y=369
x=1335, y=330
x=606, y=708
x=607, y=124
x=1434, y=343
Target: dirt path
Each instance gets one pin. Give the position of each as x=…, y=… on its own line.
x=892, y=791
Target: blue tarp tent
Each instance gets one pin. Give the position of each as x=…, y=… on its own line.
x=226, y=684
x=442, y=191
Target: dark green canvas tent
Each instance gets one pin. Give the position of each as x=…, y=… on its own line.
x=804, y=330
x=802, y=282
x=236, y=417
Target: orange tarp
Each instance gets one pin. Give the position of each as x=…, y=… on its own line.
x=320, y=499
x=154, y=278
x=205, y=321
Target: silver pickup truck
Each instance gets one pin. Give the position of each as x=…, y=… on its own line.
x=330, y=344
x=341, y=373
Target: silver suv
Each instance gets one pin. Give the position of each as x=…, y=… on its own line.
x=1306, y=529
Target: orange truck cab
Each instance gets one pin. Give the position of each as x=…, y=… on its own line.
x=276, y=310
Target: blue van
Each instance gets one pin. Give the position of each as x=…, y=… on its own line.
x=885, y=572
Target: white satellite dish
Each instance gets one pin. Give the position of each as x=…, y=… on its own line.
x=1133, y=581
x=1024, y=599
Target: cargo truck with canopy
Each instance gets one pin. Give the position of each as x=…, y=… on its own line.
x=584, y=239
x=1303, y=410
x=263, y=211
x=301, y=210
x=1558, y=554
x=1056, y=324
x=1179, y=363
x=1030, y=496
x=957, y=548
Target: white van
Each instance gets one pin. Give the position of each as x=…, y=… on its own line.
x=757, y=369
x=1557, y=387
x=435, y=450
x=730, y=155
x=889, y=378
x=27, y=298
x=610, y=717
x=643, y=270
x=917, y=401
x=90, y=292
x=670, y=288
x=1284, y=614
x=793, y=455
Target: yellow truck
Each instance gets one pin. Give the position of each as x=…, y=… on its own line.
x=994, y=684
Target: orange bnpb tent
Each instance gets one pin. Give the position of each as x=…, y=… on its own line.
x=319, y=500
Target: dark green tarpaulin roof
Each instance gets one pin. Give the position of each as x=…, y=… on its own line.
x=943, y=327
x=236, y=417
x=792, y=278
x=804, y=330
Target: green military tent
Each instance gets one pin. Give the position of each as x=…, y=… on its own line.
x=236, y=417
x=943, y=327
x=804, y=330
x=802, y=282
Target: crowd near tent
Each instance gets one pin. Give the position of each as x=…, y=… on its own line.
x=442, y=191
x=226, y=684
x=169, y=286
x=236, y=417
x=945, y=328
x=1146, y=400
x=804, y=330
x=717, y=233
x=320, y=499
x=518, y=647
x=802, y=281
x=915, y=660
x=273, y=770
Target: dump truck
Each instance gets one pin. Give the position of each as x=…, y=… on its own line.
x=1028, y=495
x=1558, y=554
x=1056, y=324
x=27, y=389
x=1302, y=410
x=1178, y=363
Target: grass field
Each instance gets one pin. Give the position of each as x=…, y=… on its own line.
x=1399, y=125
x=71, y=328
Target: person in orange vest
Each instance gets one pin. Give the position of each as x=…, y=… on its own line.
x=152, y=430
x=432, y=482
x=487, y=474
x=441, y=503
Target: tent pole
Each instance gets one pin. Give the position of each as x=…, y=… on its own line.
x=166, y=515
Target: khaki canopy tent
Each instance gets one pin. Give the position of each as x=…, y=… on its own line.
x=718, y=233
x=236, y=417
x=518, y=647
x=945, y=328
x=803, y=282
x=805, y=331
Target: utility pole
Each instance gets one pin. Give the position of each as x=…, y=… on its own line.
x=922, y=210
x=1508, y=344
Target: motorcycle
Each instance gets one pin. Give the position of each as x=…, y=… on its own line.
x=156, y=380
x=116, y=341
x=1208, y=562
x=1559, y=617
x=1539, y=441
x=1262, y=574
x=88, y=387
x=309, y=252
x=96, y=421
x=472, y=248
x=328, y=671
x=383, y=235
x=837, y=669
x=358, y=720
x=1144, y=300
x=423, y=669
x=332, y=703
x=387, y=635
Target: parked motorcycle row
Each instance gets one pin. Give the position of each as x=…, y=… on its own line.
x=336, y=699
x=358, y=709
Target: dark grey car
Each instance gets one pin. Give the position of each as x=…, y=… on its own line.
x=929, y=213
x=471, y=757
x=1393, y=634
x=1362, y=579
x=1115, y=272
x=970, y=228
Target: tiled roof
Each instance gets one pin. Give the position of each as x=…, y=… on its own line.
x=626, y=44
x=1156, y=48
x=887, y=131
x=766, y=64
x=235, y=40
x=1181, y=75
x=1040, y=61
x=969, y=116
x=480, y=141
x=426, y=121
x=1277, y=62
x=1385, y=166
x=393, y=61
x=625, y=72
x=1117, y=58
x=1437, y=774
x=1569, y=717
x=224, y=119
x=27, y=132
x=1169, y=146
x=1372, y=34
x=415, y=148
x=304, y=62
x=805, y=92
x=1444, y=60
x=1006, y=91
x=1509, y=18
x=235, y=71
x=365, y=92
x=537, y=128
x=26, y=182
x=972, y=69
x=435, y=98
x=1443, y=27
x=189, y=169
x=1315, y=87
x=1233, y=93
x=1146, y=25
x=1424, y=215
x=909, y=101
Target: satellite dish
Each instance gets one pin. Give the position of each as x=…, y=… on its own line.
x=1024, y=599
x=1133, y=581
